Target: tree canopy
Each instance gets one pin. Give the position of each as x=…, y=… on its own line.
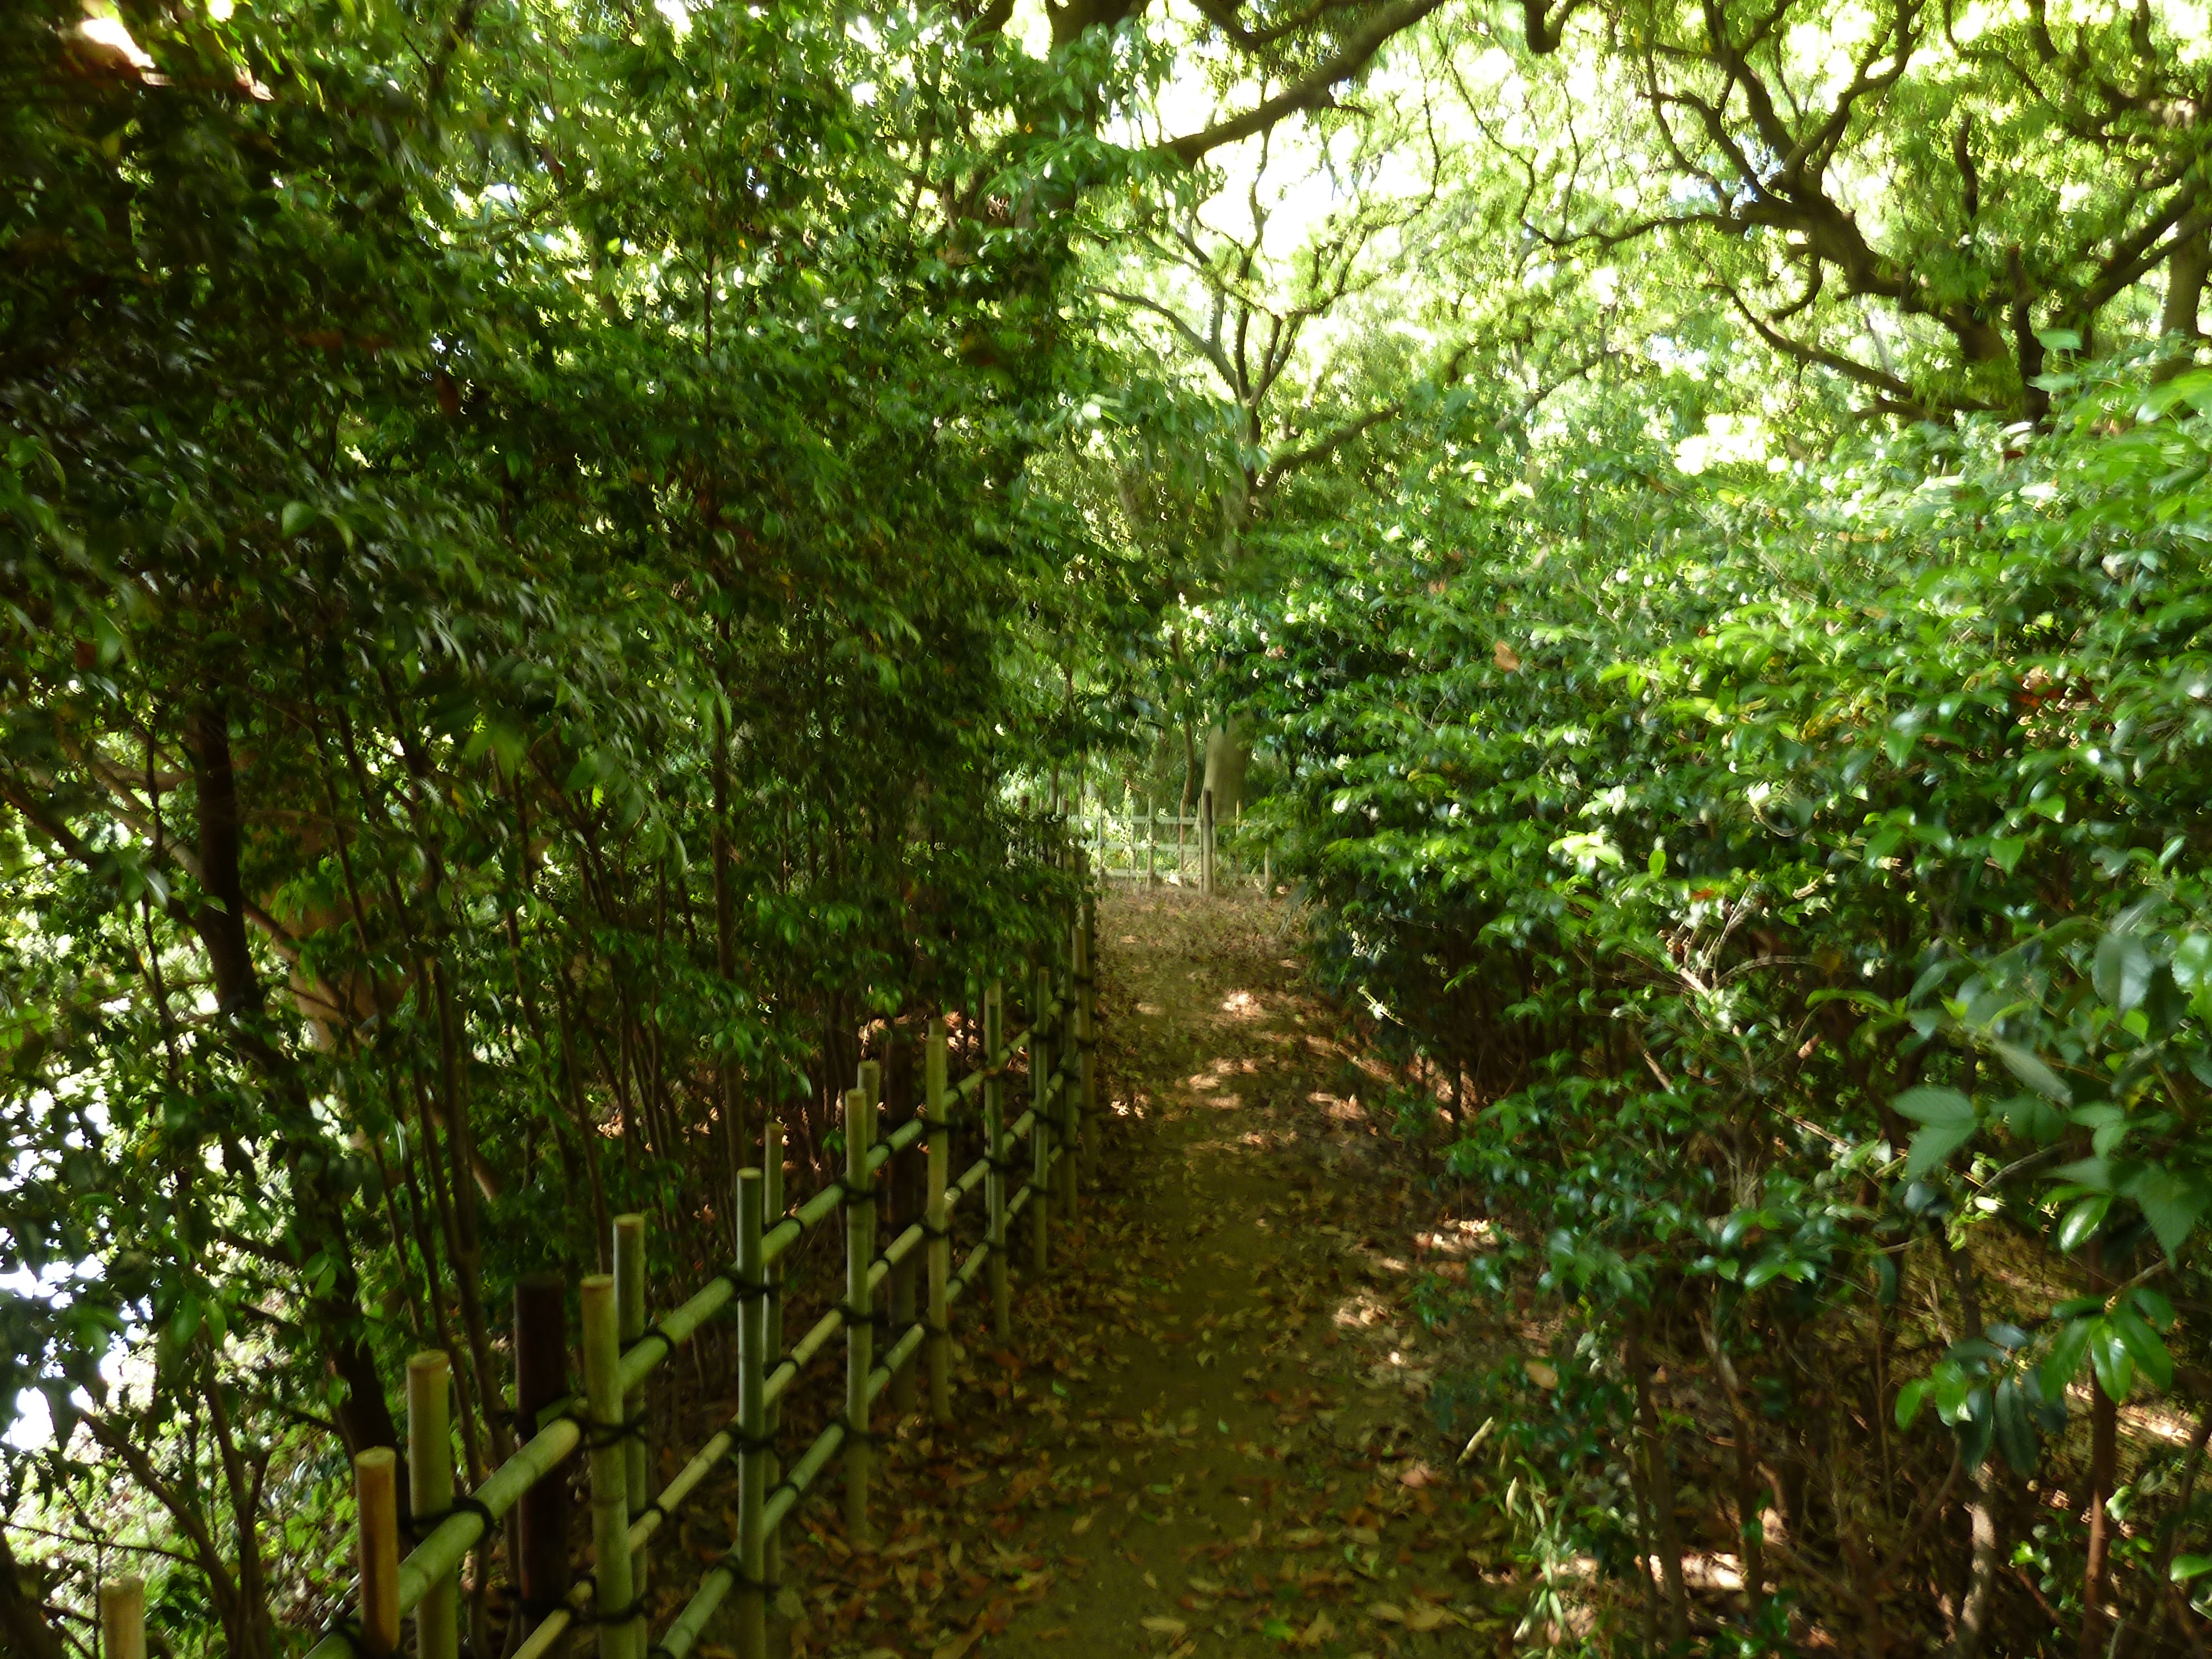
x=562, y=563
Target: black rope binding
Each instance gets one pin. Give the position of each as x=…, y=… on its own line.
x=598, y=1437
x=628, y=1613
x=420, y=1526
x=877, y=1318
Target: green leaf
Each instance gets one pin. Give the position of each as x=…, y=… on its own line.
x=2192, y=963
x=1910, y=1399
x=2170, y=1204
x=2082, y=1221
x=2015, y=1428
x=2144, y=1346
x=297, y=516
x=2063, y=1363
x=2186, y=1567
x=1936, y=1106
x=1935, y=1143
x=2032, y=1071
x=2111, y=1359
x=2005, y=851
x=2153, y=1307
x=2122, y=971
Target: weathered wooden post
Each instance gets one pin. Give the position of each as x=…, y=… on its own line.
x=621, y=1632
x=860, y=1350
x=1153, y=844
x=1040, y=1110
x=772, y=1334
x=430, y=1494
x=937, y=1108
x=541, y=1515
x=904, y=1184
x=123, y=1618
x=376, y=1494
x=630, y=1323
x=994, y=1175
x=752, y=1421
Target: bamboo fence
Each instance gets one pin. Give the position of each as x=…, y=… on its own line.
x=1155, y=848
x=622, y=1349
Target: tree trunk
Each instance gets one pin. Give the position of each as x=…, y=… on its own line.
x=2187, y=269
x=1228, y=752
x=23, y=1626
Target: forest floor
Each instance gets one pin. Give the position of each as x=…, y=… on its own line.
x=1212, y=1433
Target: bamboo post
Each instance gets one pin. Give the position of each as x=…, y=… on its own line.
x=1041, y=1169
x=771, y=1346
x=994, y=1175
x=541, y=1518
x=630, y=1324
x=904, y=1183
x=1153, y=845
x=431, y=1493
x=621, y=1635
x=752, y=1422
x=376, y=1494
x=937, y=1108
x=859, y=1349
x=123, y=1618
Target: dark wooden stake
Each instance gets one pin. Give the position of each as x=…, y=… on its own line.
x=541, y=1379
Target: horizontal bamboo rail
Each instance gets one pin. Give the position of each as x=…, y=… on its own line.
x=622, y=1348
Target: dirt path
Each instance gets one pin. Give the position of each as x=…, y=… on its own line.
x=1212, y=1436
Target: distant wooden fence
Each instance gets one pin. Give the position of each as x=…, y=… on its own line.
x=622, y=1349
x=1154, y=848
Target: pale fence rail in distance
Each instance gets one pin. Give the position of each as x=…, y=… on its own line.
x=622, y=1349
x=1152, y=848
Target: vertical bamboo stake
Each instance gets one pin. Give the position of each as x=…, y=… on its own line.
x=123, y=1618
x=629, y=1325
x=605, y=1437
x=772, y=1336
x=937, y=1108
x=1041, y=1170
x=994, y=1178
x=376, y=1493
x=860, y=1348
x=905, y=1191
x=541, y=1518
x=752, y=1421
x=430, y=1492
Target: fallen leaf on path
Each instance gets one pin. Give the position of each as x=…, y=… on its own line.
x=956, y=1647
x=1423, y=1616
x=1171, y=1628
x=1543, y=1375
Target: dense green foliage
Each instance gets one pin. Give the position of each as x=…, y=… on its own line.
x=556, y=558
